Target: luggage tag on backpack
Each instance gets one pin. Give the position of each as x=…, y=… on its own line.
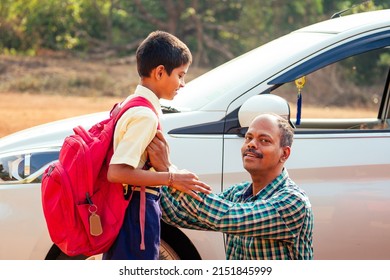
x=95, y=225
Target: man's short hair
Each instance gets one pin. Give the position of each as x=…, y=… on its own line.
x=161, y=48
x=286, y=132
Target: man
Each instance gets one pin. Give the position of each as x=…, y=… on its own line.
x=269, y=218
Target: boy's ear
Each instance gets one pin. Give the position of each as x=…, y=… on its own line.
x=159, y=72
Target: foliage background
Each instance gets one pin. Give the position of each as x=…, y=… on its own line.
x=215, y=30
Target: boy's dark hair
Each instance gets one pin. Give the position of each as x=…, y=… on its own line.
x=161, y=48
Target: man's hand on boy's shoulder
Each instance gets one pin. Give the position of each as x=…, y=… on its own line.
x=158, y=152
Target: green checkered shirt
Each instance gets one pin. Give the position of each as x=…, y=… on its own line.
x=274, y=224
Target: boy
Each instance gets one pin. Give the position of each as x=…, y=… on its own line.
x=162, y=62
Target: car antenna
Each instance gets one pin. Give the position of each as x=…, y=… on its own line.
x=338, y=14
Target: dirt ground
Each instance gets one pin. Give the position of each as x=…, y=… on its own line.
x=19, y=111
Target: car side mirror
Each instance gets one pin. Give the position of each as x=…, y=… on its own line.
x=261, y=104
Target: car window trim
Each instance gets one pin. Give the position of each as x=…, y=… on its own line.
x=360, y=45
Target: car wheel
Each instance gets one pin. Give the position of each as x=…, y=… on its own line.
x=167, y=252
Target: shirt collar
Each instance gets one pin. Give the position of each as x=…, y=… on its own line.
x=149, y=95
x=268, y=190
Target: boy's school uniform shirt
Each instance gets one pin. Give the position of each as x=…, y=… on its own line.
x=135, y=130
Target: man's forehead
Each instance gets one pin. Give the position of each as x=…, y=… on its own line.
x=264, y=125
x=269, y=119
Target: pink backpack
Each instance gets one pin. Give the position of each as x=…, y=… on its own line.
x=83, y=210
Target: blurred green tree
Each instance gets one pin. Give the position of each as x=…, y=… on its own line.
x=215, y=30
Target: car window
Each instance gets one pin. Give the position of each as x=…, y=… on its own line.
x=243, y=70
x=25, y=167
x=348, y=89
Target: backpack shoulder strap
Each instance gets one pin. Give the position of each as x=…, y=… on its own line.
x=117, y=111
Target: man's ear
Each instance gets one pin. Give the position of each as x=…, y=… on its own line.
x=285, y=153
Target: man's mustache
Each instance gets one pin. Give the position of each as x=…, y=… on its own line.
x=253, y=151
